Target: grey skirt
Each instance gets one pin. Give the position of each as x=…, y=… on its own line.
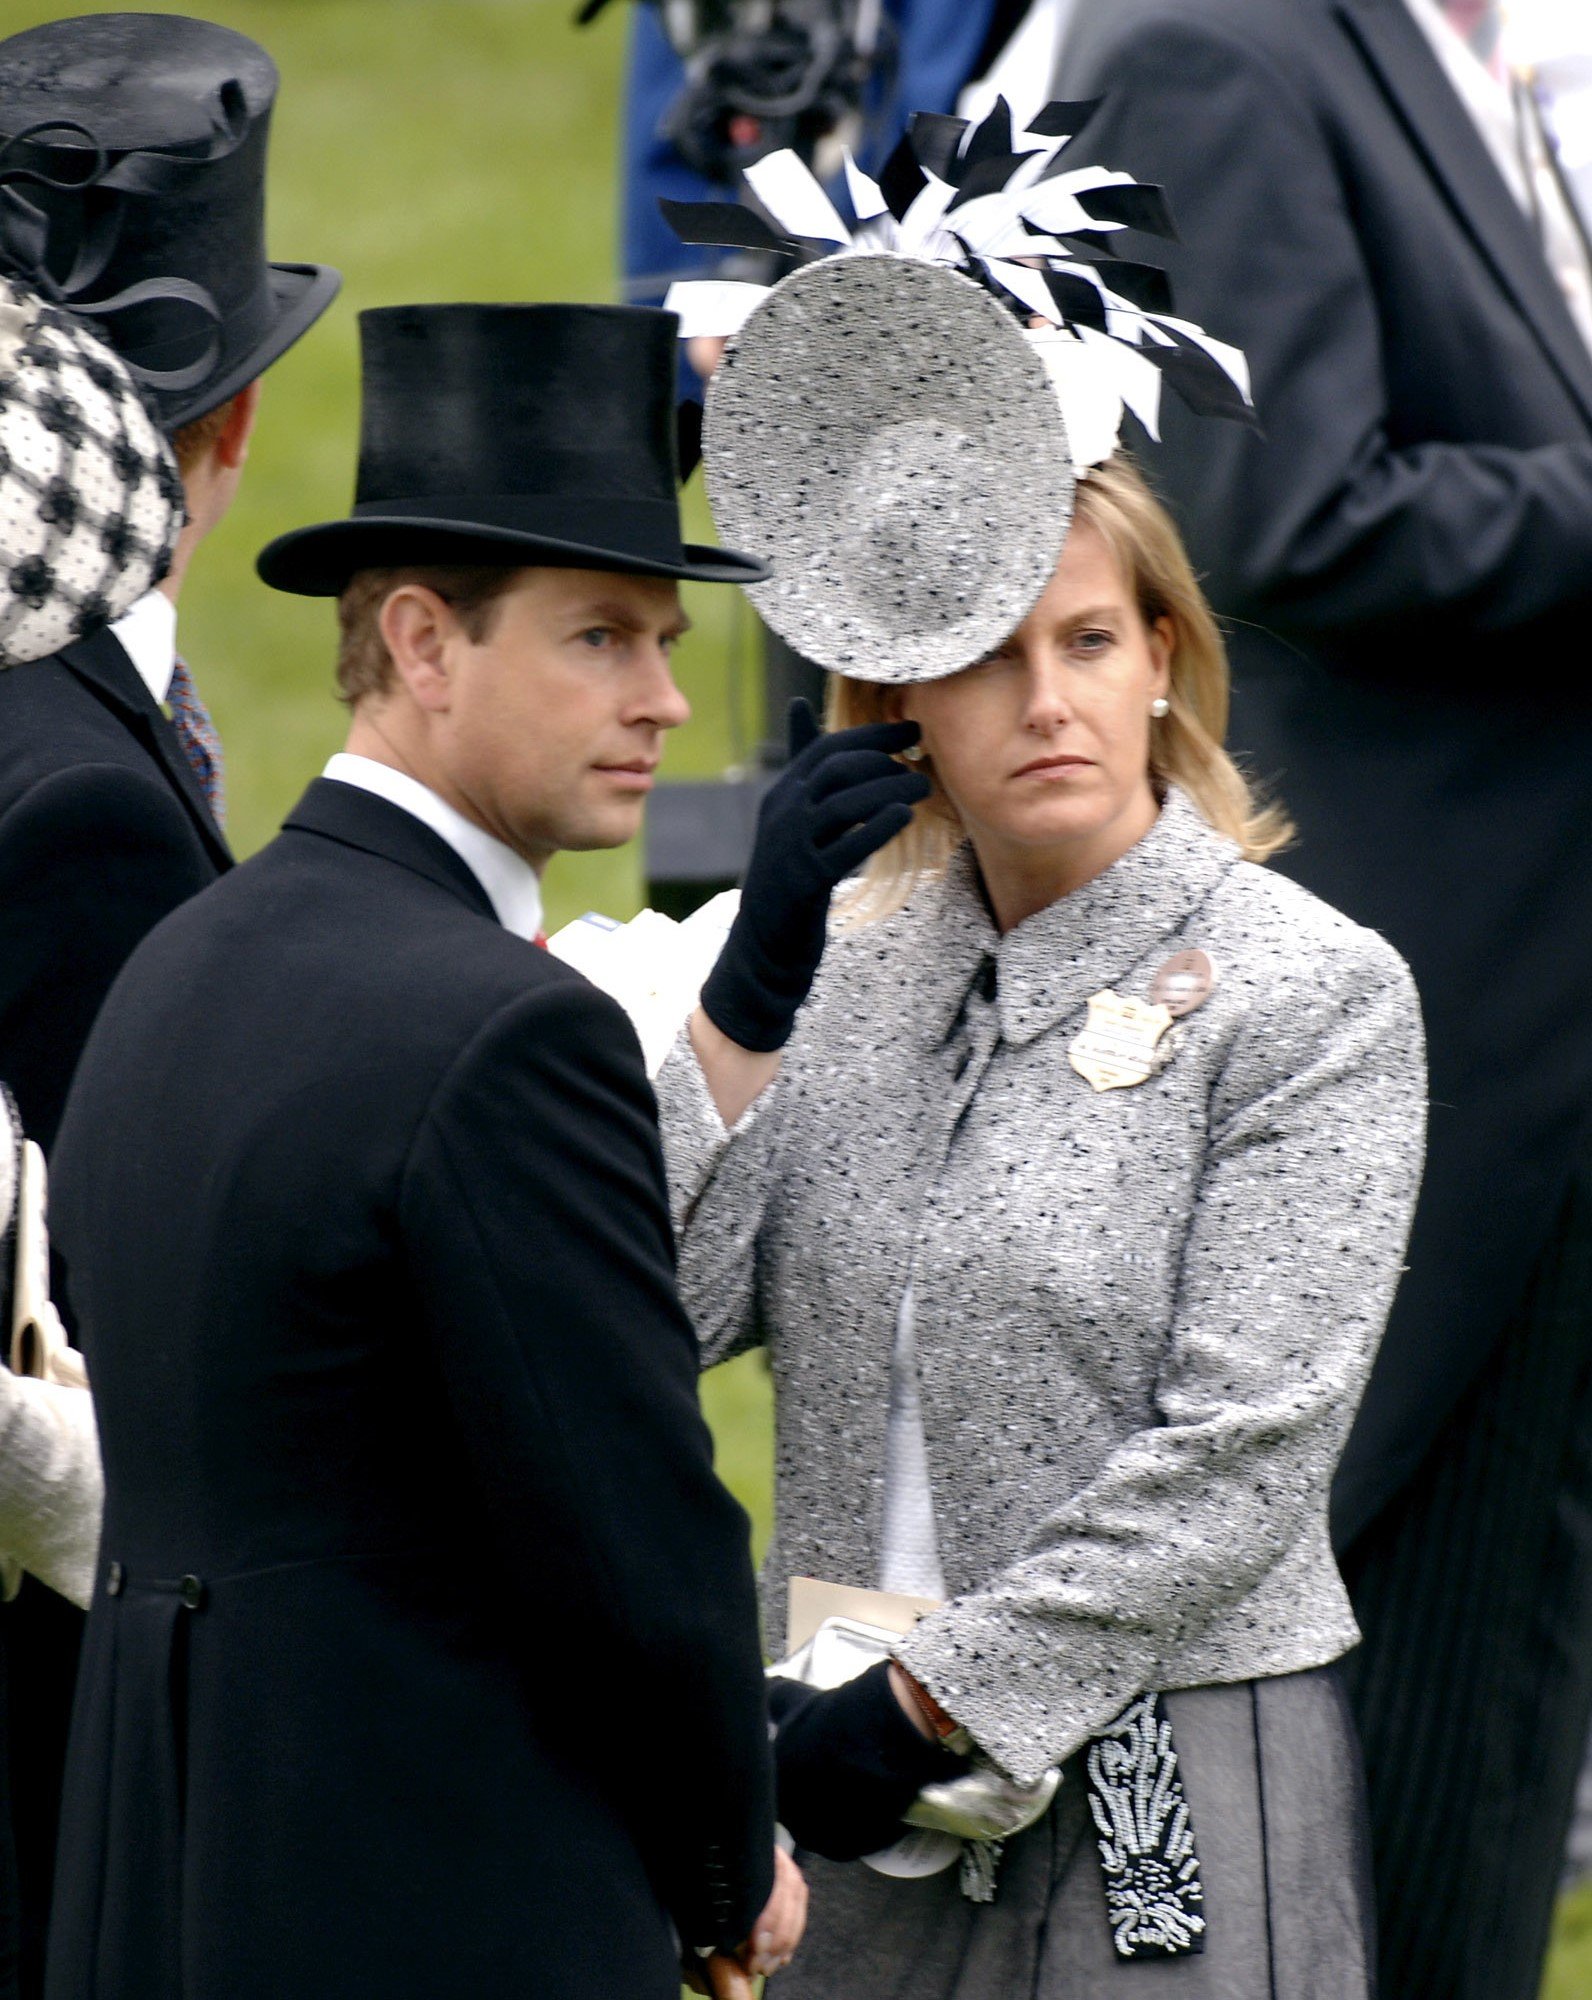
x=1271, y=1770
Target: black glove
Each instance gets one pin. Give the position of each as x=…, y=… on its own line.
x=848, y=1763
x=838, y=800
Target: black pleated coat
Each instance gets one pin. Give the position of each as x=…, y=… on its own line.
x=103, y=831
x=423, y=1660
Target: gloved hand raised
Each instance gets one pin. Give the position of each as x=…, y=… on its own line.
x=838, y=800
x=848, y=1763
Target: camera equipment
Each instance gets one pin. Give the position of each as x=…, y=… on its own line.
x=761, y=75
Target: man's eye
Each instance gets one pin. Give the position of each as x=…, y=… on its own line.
x=597, y=637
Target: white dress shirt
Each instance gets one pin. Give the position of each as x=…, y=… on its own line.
x=148, y=634
x=1511, y=127
x=511, y=883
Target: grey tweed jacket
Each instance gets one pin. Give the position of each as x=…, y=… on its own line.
x=1144, y=1316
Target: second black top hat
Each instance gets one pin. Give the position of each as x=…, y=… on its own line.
x=163, y=186
x=511, y=434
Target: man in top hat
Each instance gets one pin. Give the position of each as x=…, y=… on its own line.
x=132, y=160
x=110, y=776
x=423, y=1659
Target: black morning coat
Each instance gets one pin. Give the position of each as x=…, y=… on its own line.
x=103, y=830
x=423, y=1659
x=1406, y=559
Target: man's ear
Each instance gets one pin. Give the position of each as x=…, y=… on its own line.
x=416, y=626
x=232, y=446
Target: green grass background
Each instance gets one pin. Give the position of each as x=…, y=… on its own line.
x=454, y=149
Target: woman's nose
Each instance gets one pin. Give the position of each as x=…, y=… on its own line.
x=1048, y=697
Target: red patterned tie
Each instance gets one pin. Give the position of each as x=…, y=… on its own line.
x=197, y=735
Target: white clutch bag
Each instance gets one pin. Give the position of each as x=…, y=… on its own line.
x=837, y=1633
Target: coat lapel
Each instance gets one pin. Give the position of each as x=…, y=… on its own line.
x=1409, y=75
x=103, y=665
x=376, y=826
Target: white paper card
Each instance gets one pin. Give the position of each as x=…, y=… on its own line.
x=652, y=966
x=713, y=305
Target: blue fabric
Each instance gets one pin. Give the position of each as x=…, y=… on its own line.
x=940, y=41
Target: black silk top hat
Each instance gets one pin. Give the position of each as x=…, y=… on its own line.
x=132, y=192
x=511, y=434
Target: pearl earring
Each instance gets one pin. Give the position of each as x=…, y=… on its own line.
x=1160, y=707
x=914, y=753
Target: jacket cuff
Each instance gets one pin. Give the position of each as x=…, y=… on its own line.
x=732, y=1899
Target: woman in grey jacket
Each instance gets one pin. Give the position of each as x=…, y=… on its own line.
x=1069, y=1197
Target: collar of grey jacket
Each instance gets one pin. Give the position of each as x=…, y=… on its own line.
x=1050, y=966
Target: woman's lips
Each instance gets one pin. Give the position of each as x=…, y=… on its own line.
x=1052, y=767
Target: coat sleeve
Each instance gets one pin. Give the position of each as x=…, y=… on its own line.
x=534, y=1216
x=91, y=859
x=720, y=1182
x=1336, y=522
x=1288, y=1267
x=52, y=1490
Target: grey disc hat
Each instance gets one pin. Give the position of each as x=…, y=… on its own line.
x=132, y=190
x=883, y=434
x=903, y=422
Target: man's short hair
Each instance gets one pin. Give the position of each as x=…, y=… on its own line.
x=190, y=443
x=364, y=666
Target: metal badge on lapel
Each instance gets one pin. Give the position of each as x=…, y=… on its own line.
x=1118, y=1045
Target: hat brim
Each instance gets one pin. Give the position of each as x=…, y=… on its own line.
x=886, y=431
x=318, y=561
x=300, y=294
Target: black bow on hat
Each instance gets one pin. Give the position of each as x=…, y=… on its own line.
x=132, y=191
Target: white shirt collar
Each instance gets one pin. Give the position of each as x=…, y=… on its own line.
x=510, y=882
x=148, y=635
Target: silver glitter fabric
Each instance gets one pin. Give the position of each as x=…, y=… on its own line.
x=881, y=433
x=90, y=500
x=1144, y=1317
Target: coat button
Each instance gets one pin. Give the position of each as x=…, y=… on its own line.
x=115, y=1577
x=192, y=1592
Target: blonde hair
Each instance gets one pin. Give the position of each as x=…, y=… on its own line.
x=1185, y=747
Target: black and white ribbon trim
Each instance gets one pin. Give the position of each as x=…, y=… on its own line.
x=1009, y=214
x=1154, y=1899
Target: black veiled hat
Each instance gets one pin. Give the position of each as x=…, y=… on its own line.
x=132, y=191
x=511, y=434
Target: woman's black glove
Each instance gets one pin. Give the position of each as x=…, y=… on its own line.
x=848, y=1763
x=838, y=800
